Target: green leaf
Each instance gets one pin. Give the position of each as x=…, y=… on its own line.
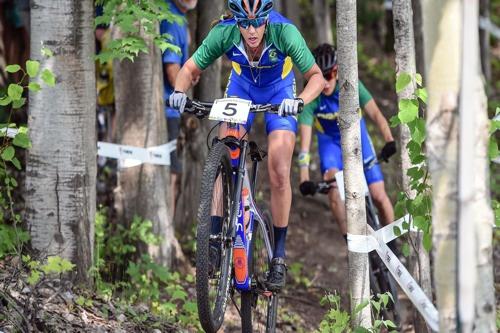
x=16, y=163
x=394, y=121
x=420, y=222
x=12, y=68
x=427, y=242
x=361, y=306
x=408, y=110
x=8, y=153
x=22, y=140
x=406, y=249
x=418, y=78
x=422, y=94
x=80, y=300
x=15, y=91
x=32, y=67
x=397, y=231
x=19, y=103
x=179, y=294
x=48, y=77
x=46, y=52
x=33, y=278
x=402, y=81
x=6, y=100
x=493, y=151
x=33, y=86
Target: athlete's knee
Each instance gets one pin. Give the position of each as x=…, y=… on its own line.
x=280, y=177
x=380, y=197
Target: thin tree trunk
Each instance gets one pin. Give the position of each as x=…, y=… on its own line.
x=140, y=122
x=405, y=63
x=442, y=31
x=196, y=131
x=476, y=294
x=484, y=38
x=291, y=9
x=61, y=165
x=349, y=123
x=419, y=36
x=322, y=21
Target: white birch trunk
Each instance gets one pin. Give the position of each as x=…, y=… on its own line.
x=140, y=122
x=322, y=21
x=349, y=123
x=405, y=63
x=476, y=283
x=61, y=165
x=442, y=30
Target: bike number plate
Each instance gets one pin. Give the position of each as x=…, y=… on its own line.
x=231, y=110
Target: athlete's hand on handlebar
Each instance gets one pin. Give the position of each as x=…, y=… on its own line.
x=178, y=100
x=387, y=151
x=308, y=188
x=290, y=107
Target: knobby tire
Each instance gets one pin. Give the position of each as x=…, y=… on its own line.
x=217, y=169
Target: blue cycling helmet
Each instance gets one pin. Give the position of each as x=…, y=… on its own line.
x=250, y=9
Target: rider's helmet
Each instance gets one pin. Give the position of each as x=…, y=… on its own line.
x=250, y=9
x=326, y=57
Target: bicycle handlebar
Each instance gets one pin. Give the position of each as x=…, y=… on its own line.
x=202, y=109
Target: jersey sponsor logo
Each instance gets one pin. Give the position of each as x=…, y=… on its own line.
x=235, y=54
x=327, y=116
x=322, y=107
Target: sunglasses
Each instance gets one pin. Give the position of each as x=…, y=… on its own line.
x=328, y=75
x=256, y=22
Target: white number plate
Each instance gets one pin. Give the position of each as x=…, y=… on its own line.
x=232, y=110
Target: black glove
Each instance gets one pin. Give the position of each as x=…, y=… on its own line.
x=388, y=150
x=307, y=188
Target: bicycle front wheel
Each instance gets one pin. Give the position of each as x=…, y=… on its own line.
x=214, y=251
x=259, y=308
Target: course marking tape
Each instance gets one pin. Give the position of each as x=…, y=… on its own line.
x=377, y=241
x=130, y=156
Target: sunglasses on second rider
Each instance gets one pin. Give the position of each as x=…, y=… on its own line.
x=330, y=73
x=256, y=22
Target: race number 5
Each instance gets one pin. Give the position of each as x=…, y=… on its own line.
x=232, y=110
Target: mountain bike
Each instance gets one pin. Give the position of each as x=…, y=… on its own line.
x=244, y=246
x=381, y=280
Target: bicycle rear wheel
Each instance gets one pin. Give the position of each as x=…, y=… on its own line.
x=259, y=308
x=213, y=281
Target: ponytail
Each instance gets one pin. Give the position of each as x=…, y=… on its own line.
x=225, y=16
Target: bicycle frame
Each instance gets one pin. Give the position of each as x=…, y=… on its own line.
x=244, y=211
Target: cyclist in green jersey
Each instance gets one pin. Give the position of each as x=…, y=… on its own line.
x=263, y=47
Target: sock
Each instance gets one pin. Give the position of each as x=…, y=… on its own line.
x=279, y=241
x=216, y=225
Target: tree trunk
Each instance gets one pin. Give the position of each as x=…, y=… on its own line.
x=61, y=165
x=195, y=149
x=291, y=10
x=405, y=63
x=484, y=39
x=419, y=36
x=140, y=121
x=476, y=293
x=322, y=21
x=349, y=123
x=442, y=48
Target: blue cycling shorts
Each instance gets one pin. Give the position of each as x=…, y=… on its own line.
x=274, y=94
x=330, y=155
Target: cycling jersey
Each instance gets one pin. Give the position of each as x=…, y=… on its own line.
x=269, y=80
x=323, y=113
x=179, y=38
